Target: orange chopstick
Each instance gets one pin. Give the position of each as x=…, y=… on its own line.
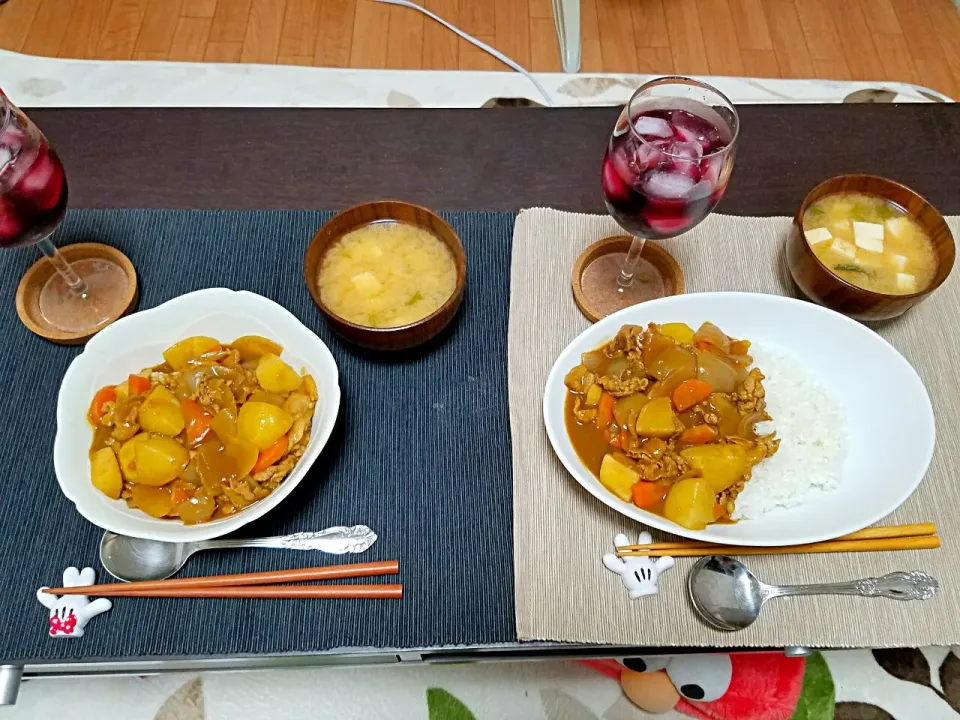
x=278, y=592
x=329, y=572
x=829, y=546
x=887, y=531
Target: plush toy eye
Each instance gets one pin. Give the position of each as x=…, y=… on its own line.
x=701, y=677
x=646, y=663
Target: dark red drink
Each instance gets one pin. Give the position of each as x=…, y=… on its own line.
x=33, y=187
x=664, y=175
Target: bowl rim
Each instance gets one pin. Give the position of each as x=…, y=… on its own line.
x=459, y=259
x=872, y=294
x=110, y=518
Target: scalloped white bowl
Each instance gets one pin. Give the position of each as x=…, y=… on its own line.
x=138, y=341
x=890, y=425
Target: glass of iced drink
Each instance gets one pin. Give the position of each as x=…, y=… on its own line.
x=79, y=297
x=666, y=166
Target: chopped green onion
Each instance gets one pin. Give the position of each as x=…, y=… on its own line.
x=851, y=268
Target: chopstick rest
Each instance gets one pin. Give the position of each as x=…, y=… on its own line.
x=70, y=613
x=638, y=574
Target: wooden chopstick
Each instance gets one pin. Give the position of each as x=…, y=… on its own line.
x=329, y=572
x=277, y=592
x=829, y=546
x=890, y=531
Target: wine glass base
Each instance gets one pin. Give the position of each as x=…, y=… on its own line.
x=595, y=287
x=48, y=308
x=103, y=301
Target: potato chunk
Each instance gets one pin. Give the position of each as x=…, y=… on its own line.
x=105, y=473
x=160, y=413
x=690, y=504
x=253, y=347
x=618, y=474
x=720, y=465
x=275, y=376
x=179, y=354
x=262, y=423
x=657, y=419
x=159, y=460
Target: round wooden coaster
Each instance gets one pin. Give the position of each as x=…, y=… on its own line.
x=595, y=288
x=33, y=281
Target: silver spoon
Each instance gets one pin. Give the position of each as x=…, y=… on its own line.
x=729, y=597
x=130, y=559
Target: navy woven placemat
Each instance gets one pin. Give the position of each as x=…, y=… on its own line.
x=421, y=453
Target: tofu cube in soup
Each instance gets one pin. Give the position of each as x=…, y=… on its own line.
x=868, y=236
x=817, y=235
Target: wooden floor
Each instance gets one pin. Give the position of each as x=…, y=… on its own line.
x=907, y=40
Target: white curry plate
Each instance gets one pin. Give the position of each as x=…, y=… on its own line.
x=138, y=341
x=889, y=417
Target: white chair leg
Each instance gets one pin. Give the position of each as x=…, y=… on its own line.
x=566, y=15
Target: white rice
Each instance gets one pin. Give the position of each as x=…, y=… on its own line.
x=813, y=438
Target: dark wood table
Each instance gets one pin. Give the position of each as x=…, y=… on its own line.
x=497, y=159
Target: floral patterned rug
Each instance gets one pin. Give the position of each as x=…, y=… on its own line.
x=847, y=685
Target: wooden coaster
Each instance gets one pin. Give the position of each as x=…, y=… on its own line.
x=595, y=288
x=33, y=281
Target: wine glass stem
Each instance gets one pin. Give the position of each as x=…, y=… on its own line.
x=76, y=284
x=628, y=270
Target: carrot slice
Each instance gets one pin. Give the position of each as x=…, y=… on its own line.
x=689, y=393
x=698, y=435
x=605, y=410
x=179, y=494
x=269, y=456
x=103, y=396
x=197, y=421
x=138, y=384
x=647, y=494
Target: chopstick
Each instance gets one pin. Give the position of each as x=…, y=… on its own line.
x=277, y=592
x=329, y=572
x=920, y=536
x=830, y=546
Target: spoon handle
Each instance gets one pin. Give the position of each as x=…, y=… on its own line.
x=896, y=585
x=334, y=540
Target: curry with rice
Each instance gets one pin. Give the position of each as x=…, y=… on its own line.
x=665, y=417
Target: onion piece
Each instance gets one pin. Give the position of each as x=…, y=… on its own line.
x=747, y=427
x=710, y=333
x=712, y=369
x=593, y=360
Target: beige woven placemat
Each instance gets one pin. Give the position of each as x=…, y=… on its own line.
x=563, y=592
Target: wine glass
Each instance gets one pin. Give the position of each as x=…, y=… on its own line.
x=666, y=166
x=79, y=297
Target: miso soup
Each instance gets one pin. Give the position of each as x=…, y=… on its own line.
x=387, y=274
x=871, y=243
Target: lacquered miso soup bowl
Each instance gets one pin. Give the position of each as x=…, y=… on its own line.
x=401, y=337
x=822, y=286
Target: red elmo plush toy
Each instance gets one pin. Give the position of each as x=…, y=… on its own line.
x=744, y=686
